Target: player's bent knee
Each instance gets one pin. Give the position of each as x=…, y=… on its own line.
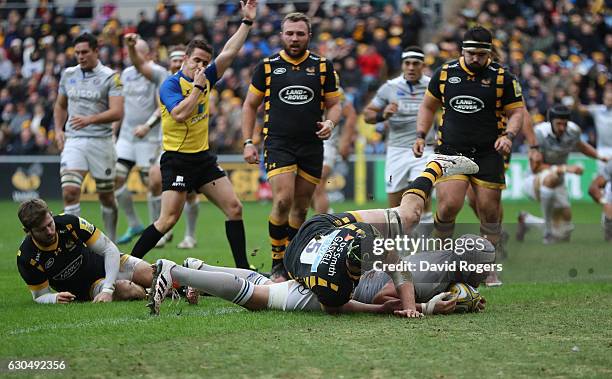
x=127, y=290
x=122, y=169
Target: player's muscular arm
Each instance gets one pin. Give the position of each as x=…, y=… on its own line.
x=235, y=43
x=404, y=287
x=372, y=114
x=114, y=113
x=590, y=151
x=139, y=64
x=45, y=296
x=425, y=117
x=60, y=115
x=334, y=110
x=249, y=113
x=349, y=130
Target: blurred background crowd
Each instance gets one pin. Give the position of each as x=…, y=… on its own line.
x=560, y=51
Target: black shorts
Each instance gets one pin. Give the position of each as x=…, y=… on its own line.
x=491, y=171
x=287, y=155
x=188, y=172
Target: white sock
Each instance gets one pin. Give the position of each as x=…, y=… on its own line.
x=192, y=211
x=124, y=198
x=219, y=284
x=74, y=209
x=547, y=199
x=251, y=276
x=109, y=216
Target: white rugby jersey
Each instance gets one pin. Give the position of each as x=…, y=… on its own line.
x=556, y=150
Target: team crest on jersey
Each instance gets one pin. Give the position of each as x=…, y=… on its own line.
x=296, y=95
x=70, y=245
x=485, y=82
x=49, y=263
x=454, y=80
x=279, y=71
x=466, y=104
x=310, y=70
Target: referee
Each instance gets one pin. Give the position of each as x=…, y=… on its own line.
x=475, y=95
x=296, y=86
x=187, y=164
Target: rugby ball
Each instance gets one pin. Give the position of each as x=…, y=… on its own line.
x=468, y=297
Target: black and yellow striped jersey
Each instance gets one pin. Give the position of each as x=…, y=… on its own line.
x=474, y=104
x=68, y=264
x=294, y=92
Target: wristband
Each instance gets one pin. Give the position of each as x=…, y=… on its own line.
x=246, y=21
x=421, y=135
x=108, y=290
x=535, y=147
x=152, y=120
x=333, y=123
x=510, y=136
x=201, y=88
x=247, y=142
x=380, y=117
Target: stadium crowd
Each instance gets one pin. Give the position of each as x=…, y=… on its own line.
x=560, y=51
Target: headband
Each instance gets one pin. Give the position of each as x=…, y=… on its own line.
x=413, y=55
x=472, y=45
x=177, y=54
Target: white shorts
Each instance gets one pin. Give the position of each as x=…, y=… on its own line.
x=330, y=153
x=127, y=267
x=531, y=187
x=603, y=152
x=96, y=155
x=292, y=296
x=402, y=167
x=144, y=154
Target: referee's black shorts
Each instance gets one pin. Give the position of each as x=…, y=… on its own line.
x=188, y=171
x=283, y=155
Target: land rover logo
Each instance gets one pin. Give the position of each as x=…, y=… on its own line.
x=454, y=80
x=280, y=70
x=466, y=104
x=296, y=95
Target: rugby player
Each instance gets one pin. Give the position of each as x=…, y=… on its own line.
x=476, y=94
x=296, y=86
x=397, y=102
x=556, y=138
x=88, y=101
x=327, y=253
x=139, y=139
x=71, y=256
x=187, y=163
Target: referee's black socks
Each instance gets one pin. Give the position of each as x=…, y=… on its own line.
x=234, y=231
x=147, y=241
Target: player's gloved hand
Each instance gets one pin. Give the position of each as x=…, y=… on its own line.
x=64, y=297
x=103, y=297
x=390, y=110
x=141, y=131
x=410, y=313
x=79, y=122
x=325, y=129
x=60, y=139
x=574, y=169
x=250, y=154
x=419, y=147
x=503, y=145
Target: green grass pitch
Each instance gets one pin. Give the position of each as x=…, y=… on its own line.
x=552, y=318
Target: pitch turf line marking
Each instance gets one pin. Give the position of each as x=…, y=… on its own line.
x=119, y=321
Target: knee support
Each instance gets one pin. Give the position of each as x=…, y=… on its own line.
x=123, y=167
x=104, y=185
x=71, y=179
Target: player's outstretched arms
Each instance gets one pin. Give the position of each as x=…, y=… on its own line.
x=45, y=296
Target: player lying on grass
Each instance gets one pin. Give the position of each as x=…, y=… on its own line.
x=326, y=254
x=71, y=256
